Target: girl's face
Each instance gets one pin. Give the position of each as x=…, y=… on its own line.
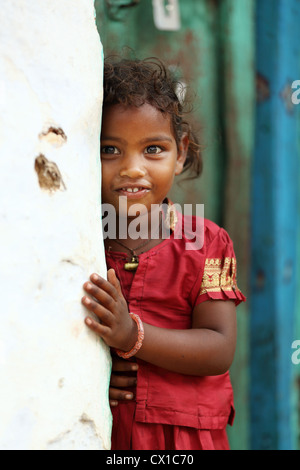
x=139, y=155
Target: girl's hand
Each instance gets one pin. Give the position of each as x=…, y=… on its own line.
x=119, y=381
x=107, y=302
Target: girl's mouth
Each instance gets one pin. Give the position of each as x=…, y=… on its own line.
x=135, y=192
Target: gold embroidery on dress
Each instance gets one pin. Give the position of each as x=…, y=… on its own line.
x=171, y=217
x=219, y=275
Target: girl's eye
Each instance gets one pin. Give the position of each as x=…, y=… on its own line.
x=109, y=150
x=153, y=149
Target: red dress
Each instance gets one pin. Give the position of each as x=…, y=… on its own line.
x=172, y=411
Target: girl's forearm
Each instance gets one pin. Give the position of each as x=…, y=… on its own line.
x=192, y=352
x=205, y=349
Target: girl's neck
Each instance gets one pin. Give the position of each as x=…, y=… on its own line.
x=141, y=233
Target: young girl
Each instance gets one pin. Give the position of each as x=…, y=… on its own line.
x=167, y=312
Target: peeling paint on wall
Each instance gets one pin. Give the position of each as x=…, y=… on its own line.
x=54, y=371
x=49, y=175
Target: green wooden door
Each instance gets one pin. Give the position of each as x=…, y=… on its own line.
x=211, y=52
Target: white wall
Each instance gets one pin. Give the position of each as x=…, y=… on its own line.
x=54, y=373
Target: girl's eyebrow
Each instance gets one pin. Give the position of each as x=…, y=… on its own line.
x=155, y=138
x=110, y=137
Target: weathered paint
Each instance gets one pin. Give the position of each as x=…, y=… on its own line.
x=54, y=371
x=206, y=56
x=238, y=107
x=274, y=228
x=296, y=368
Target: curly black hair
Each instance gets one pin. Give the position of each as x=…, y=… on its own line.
x=136, y=82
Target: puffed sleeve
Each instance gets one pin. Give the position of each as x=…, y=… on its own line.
x=219, y=275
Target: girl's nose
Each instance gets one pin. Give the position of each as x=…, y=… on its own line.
x=132, y=168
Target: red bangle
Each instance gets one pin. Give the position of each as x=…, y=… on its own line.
x=138, y=344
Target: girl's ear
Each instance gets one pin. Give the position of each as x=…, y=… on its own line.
x=182, y=153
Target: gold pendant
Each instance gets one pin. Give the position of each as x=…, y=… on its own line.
x=132, y=265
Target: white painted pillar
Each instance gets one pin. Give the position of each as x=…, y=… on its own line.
x=54, y=373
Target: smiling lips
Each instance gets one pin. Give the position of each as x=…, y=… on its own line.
x=133, y=191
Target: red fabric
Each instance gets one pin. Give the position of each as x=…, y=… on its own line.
x=128, y=434
x=163, y=292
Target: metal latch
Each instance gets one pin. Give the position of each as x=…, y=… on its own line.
x=166, y=15
x=117, y=9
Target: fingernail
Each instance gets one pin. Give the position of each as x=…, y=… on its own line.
x=134, y=367
x=88, y=321
x=128, y=396
x=95, y=277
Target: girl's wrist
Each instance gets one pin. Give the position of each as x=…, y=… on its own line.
x=138, y=335
x=132, y=337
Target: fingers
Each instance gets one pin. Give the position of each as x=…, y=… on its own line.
x=122, y=381
x=111, y=286
x=116, y=395
x=120, y=365
x=119, y=381
x=101, y=290
x=103, y=293
x=111, y=276
x=102, y=313
x=107, y=293
x=107, y=302
x=99, y=329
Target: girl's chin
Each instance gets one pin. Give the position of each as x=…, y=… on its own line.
x=132, y=208
x=126, y=208
x=133, y=213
